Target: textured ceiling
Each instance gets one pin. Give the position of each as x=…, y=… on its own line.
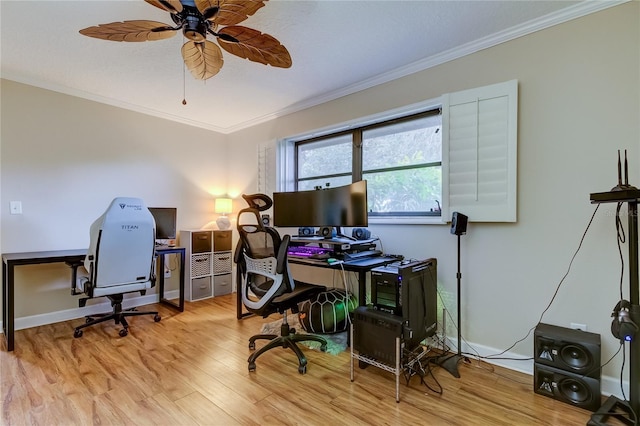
x=337, y=48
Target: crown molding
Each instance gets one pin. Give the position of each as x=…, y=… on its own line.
x=573, y=12
x=576, y=11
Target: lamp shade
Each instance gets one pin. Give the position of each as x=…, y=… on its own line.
x=223, y=205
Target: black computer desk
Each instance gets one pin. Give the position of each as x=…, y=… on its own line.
x=362, y=266
x=11, y=260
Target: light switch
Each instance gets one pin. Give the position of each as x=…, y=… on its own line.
x=16, y=207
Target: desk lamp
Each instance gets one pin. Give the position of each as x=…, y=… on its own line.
x=223, y=206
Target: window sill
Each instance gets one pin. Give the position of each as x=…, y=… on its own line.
x=407, y=220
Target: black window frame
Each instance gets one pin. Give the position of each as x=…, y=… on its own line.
x=357, y=171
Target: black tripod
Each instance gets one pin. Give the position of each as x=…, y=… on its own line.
x=450, y=362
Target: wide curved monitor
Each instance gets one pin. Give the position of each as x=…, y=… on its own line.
x=337, y=206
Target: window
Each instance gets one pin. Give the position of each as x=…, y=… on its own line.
x=401, y=159
x=421, y=162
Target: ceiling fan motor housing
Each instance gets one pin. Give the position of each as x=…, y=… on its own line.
x=194, y=26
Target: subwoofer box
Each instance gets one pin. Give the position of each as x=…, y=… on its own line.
x=567, y=349
x=375, y=333
x=574, y=389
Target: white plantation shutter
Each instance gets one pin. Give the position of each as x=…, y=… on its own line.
x=479, y=153
x=267, y=168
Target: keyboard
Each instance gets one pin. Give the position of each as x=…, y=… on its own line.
x=306, y=252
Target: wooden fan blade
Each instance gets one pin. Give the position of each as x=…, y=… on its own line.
x=231, y=12
x=204, y=60
x=135, y=31
x=171, y=6
x=255, y=46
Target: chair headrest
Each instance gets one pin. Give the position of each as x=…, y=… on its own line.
x=260, y=202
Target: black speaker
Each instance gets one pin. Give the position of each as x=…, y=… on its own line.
x=567, y=349
x=567, y=365
x=622, y=326
x=306, y=231
x=459, y=223
x=327, y=231
x=574, y=389
x=361, y=233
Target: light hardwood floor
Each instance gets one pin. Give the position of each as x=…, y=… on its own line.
x=191, y=369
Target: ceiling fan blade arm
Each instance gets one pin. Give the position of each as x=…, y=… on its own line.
x=130, y=31
x=167, y=28
x=254, y=46
x=210, y=13
x=229, y=12
x=226, y=37
x=204, y=60
x=171, y=6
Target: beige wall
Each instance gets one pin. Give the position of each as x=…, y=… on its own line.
x=579, y=101
x=66, y=158
x=579, y=89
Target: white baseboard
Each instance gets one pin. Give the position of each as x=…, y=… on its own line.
x=69, y=314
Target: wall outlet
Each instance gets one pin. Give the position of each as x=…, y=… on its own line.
x=15, y=207
x=578, y=326
x=167, y=273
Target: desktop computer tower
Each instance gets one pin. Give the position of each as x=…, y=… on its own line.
x=409, y=291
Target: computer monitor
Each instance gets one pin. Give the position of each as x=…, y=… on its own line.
x=166, y=223
x=337, y=206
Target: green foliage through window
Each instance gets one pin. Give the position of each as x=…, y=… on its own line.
x=401, y=160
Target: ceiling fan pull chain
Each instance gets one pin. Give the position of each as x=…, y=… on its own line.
x=184, y=86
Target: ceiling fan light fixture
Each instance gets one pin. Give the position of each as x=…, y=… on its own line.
x=195, y=29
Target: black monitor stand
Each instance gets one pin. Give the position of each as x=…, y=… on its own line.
x=613, y=406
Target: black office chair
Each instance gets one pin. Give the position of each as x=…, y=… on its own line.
x=265, y=282
x=120, y=260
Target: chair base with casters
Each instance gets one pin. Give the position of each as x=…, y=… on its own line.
x=287, y=339
x=118, y=315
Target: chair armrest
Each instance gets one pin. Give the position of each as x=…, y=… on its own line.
x=74, y=265
x=281, y=256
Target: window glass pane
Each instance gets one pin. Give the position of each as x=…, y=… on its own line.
x=400, y=159
x=416, y=141
x=306, y=185
x=405, y=191
x=326, y=157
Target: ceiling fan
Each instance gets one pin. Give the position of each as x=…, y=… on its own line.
x=197, y=19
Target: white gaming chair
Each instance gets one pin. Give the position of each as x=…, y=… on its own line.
x=120, y=259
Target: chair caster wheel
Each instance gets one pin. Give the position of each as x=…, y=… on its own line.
x=87, y=320
x=302, y=369
x=157, y=318
x=323, y=348
x=77, y=333
x=123, y=332
x=292, y=331
x=252, y=346
x=252, y=366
